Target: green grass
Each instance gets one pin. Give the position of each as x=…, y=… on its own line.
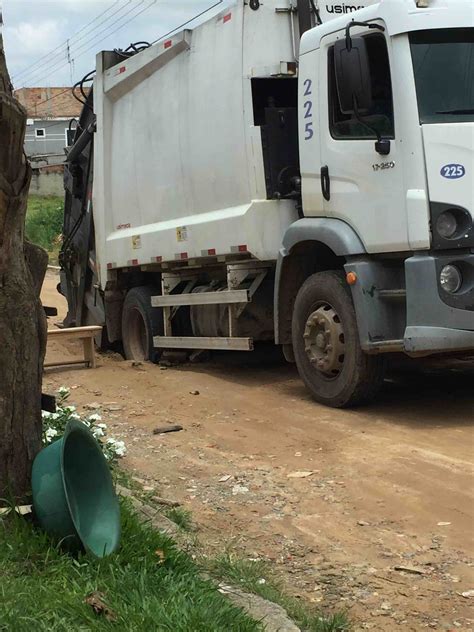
x=44, y=222
x=181, y=517
x=148, y=585
x=248, y=575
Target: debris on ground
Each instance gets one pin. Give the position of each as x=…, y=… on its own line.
x=165, y=429
x=302, y=474
x=410, y=569
x=96, y=600
x=239, y=489
x=166, y=501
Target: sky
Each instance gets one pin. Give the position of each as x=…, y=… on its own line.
x=35, y=33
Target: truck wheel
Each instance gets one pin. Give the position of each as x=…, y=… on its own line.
x=140, y=322
x=326, y=344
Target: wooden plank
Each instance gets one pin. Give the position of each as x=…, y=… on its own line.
x=89, y=330
x=87, y=335
x=48, y=365
x=89, y=352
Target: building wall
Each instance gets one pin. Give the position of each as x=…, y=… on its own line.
x=46, y=138
x=49, y=103
x=47, y=181
x=49, y=110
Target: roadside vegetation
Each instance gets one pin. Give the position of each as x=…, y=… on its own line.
x=181, y=517
x=44, y=223
x=152, y=583
x=256, y=576
x=230, y=568
x=148, y=585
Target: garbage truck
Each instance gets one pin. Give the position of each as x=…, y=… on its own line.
x=281, y=171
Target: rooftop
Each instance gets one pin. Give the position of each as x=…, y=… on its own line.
x=49, y=103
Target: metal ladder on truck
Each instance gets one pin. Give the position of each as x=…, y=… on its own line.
x=233, y=296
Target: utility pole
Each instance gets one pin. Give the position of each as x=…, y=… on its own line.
x=70, y=61
x=22, y=319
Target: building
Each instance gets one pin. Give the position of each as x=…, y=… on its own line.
x=49, y=112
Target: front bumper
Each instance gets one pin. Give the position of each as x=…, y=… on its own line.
x=437, y=321
x=401, y=307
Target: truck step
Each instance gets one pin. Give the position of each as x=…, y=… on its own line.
x=393, y=295
x=386, y=346
x=201, y=298
x=195, y=342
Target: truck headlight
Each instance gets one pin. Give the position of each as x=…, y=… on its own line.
x=446, y=225
x=450, y=279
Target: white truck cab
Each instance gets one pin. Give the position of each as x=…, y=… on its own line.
x=414, y=194
x=282, y=171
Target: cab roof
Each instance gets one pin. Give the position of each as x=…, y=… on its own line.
x=398, y=16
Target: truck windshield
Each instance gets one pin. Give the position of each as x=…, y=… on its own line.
x=443, y=61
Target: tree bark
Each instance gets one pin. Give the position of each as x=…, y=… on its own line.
x=22, y=319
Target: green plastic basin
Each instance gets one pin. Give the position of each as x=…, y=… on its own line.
x=73, y=492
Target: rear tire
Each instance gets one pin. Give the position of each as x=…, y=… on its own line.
x=140, y=323
x=326, y=344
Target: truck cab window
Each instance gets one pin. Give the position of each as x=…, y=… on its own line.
x=443, y=62
x=380, y=117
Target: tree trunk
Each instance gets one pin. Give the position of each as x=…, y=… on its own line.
x=22, y=319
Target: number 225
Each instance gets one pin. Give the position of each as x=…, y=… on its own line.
x=308, y=110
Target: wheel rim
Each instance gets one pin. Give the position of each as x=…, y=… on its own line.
x=137, y=336
x=324, y=341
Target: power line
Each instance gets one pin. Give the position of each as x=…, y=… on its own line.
x=103, y=34
x=27, y=71
x=66, y=49
x=216, y=4
x=60, y=60
x=90, y=43
x=135, y=16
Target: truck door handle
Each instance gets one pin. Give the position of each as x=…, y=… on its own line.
x=325, y=183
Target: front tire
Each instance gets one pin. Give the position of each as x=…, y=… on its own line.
x=140, y=323
x=326, y=344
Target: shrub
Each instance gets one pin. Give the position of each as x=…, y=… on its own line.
x=44, y=221
x=54, y=425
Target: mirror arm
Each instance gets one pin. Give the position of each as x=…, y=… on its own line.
x=354, y=23
x=362, y=122
x=382, y=146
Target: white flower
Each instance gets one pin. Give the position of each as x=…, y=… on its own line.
x=118, y=447
x=63, y=391
x=69, y=409
x=102, y=426
x=46, y=415
x=114, y=447
x=97, y=432
x=50, y=434
x=95, y=417
x=74, y=416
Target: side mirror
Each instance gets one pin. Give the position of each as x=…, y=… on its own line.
x=351, y=63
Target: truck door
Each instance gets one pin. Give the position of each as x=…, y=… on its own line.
x=361, y=186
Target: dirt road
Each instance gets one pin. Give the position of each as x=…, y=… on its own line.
x=340, y=501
